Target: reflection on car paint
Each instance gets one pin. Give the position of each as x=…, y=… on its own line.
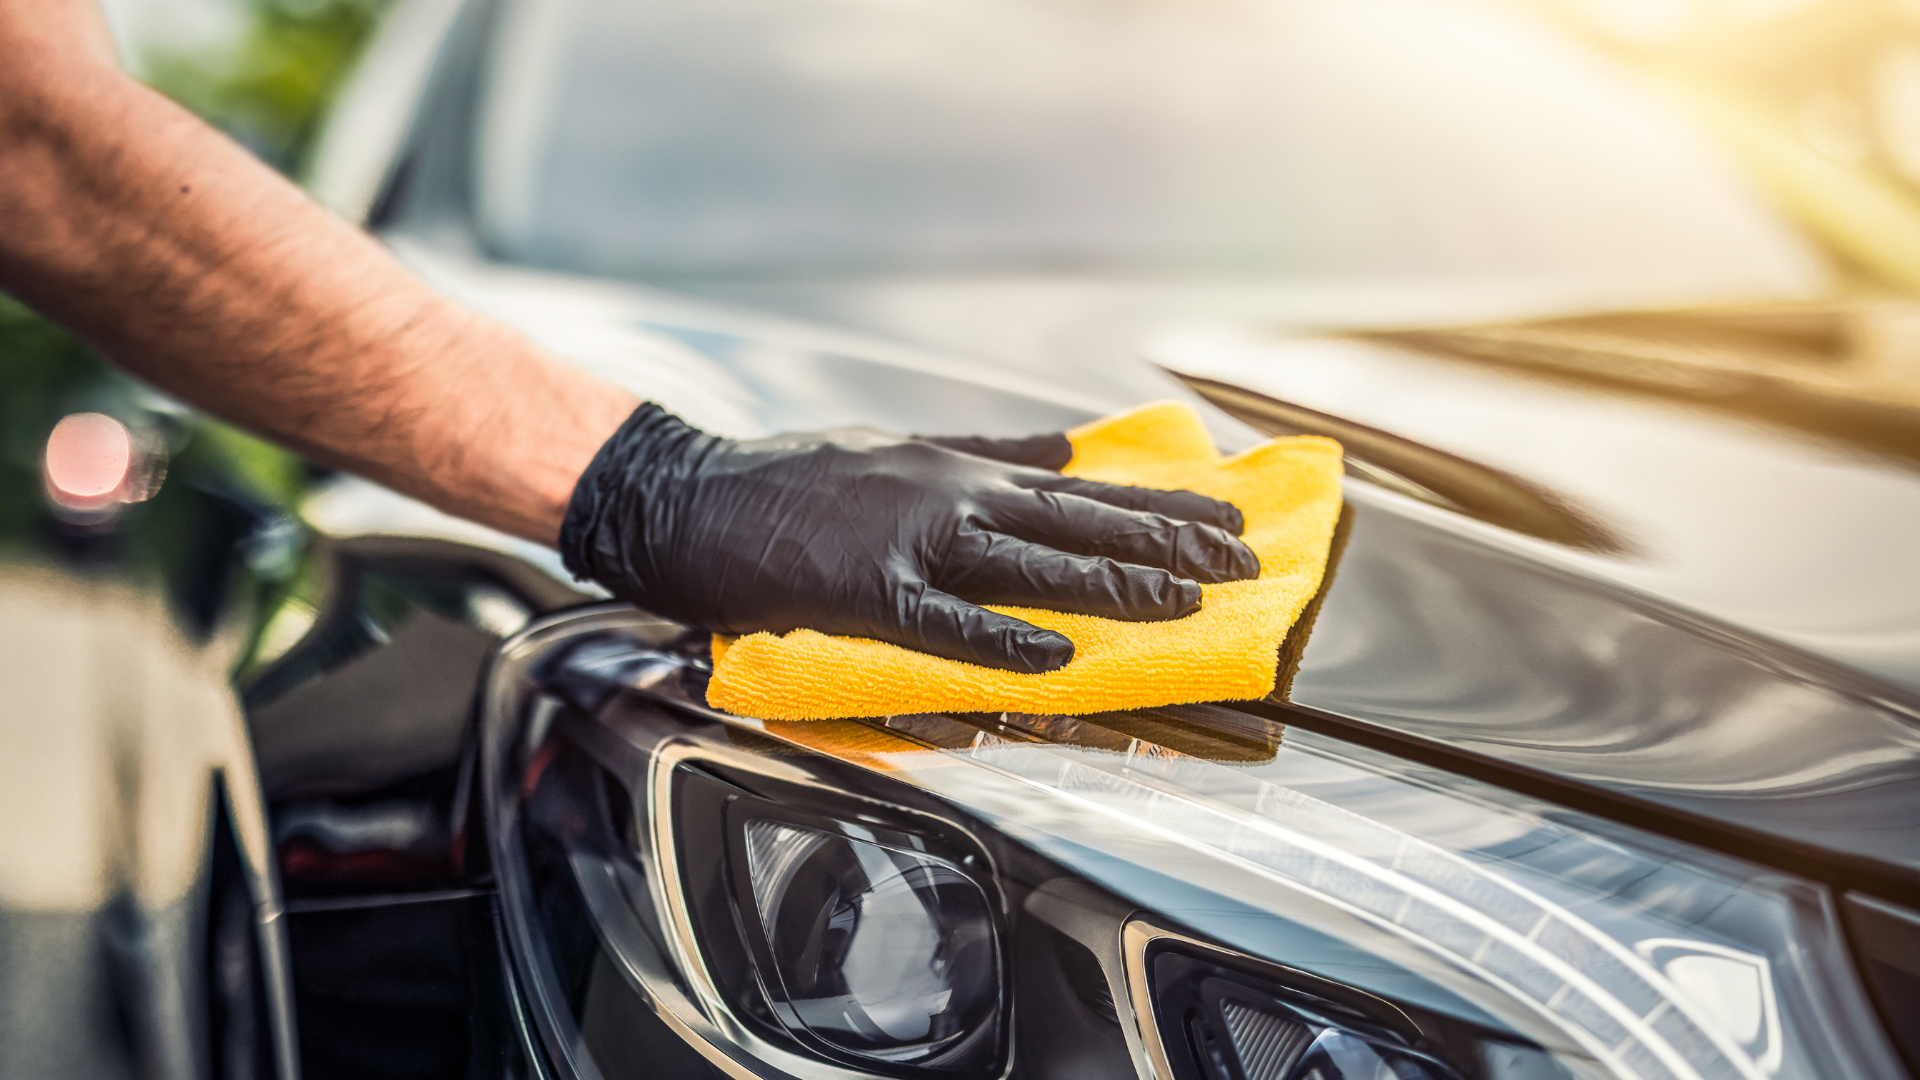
x=1402, y=465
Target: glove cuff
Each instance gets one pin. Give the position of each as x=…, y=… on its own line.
x=603, y=516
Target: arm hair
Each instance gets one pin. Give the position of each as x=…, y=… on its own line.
x=199, y=269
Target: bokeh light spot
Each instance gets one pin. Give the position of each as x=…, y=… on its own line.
x=89, y=456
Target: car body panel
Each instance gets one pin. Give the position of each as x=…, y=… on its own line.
x=1433, y=624
x=1425, y=632
x=1728, y=658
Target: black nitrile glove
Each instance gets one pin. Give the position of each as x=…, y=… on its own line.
x=861, y=533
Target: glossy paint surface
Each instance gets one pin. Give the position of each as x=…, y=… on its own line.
x=361, y=724
x=1426, y=632
x=1628, y=670
x=1800, y=536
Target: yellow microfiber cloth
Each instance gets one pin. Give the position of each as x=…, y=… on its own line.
x=1287, y=489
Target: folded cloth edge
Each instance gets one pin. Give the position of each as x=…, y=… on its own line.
x=1290, y=489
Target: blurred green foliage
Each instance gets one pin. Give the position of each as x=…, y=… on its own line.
x=268, y=89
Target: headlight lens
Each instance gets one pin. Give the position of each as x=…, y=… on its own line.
x=1218, y=1022
x=883, y=953
x=1171, y=895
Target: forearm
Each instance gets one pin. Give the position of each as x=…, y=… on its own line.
x=201, y=270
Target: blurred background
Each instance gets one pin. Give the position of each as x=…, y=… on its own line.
x=260, y=70
x=120, y=511
x=1817, y=101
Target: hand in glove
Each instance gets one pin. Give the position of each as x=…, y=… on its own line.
x=859, y=533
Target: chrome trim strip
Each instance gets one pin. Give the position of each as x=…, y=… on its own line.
x=1135, y=936
x=246, y=813
x=664, y=879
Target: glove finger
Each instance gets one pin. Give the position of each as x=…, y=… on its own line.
x=1181, y=505
x=1050, y=452
x=1007, y=570
x=940, y=623
x=1086, y=526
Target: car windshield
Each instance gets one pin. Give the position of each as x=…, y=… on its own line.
x=1411, y=140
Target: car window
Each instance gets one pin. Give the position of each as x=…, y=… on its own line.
x=1325, y=139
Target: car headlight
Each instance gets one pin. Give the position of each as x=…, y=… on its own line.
x=872, y=942
x=878, y=952
x=1171, y=894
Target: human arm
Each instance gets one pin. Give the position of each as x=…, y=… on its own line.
x=198, y=268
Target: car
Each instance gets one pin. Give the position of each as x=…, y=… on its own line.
x=1596, y=755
